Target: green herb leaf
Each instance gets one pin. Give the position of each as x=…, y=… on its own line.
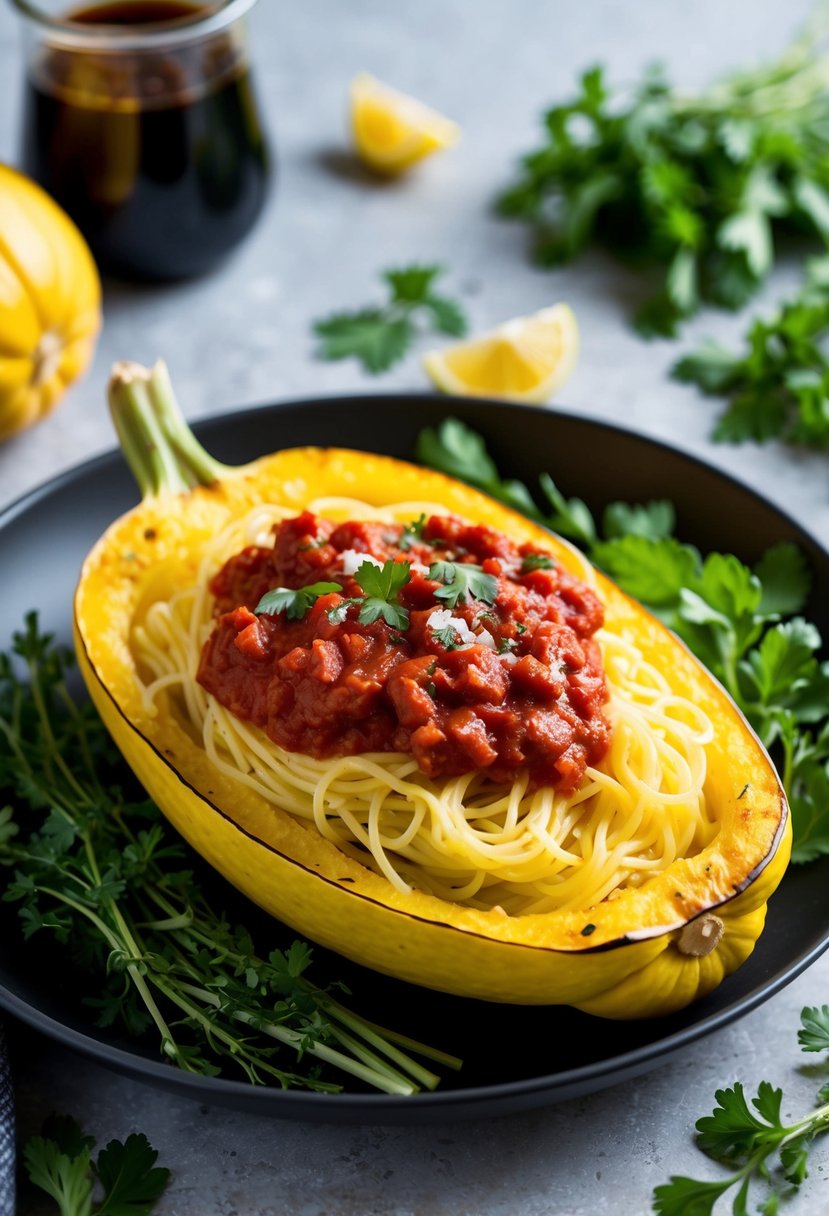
x=448, y=637
x=382, y=587
x=375, y=336
x=412, y=532
x=379, y=336
x=814, y=1029
x=778, y=387
x=59, y=1162
x=536, y=561
x=131, y=1180
x=293, y=602
x=463, y=581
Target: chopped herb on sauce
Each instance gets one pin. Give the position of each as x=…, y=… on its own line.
x=293, y=603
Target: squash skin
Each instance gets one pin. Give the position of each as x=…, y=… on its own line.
x=50, y=303
x=630, y=966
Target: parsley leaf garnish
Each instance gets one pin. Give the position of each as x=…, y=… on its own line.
x=59, y=1161
x=448, y=637
x=382, y=587
x=380, y=336
x=412, y=531
x=294, y=603
x=536, y=561
x=463, y=581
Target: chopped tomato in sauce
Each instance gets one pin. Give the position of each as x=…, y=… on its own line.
x=513, y=684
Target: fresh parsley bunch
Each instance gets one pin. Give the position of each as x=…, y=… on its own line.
x=694, y=185
x=91, y=861
x=778, y=387
x=744, y=624
x=380, y=335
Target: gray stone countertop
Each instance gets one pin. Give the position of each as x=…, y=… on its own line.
x=242, y=336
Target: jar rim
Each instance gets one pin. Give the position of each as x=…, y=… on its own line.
x=66, y=33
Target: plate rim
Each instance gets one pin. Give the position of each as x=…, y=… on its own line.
x=371, y=1106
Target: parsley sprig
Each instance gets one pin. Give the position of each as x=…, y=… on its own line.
x=778, y=387
x=379, y=336
x=294, y=603
x=93, y=863
x=752, y=1139
x=382, y=586
x=744, y=623
x=694, y=186
x=59, y=1161
x=463, y=581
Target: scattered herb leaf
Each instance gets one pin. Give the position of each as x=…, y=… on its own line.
x=412, y=531
x=380, y=336
x=536, y=561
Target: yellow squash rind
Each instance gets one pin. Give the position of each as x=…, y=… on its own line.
x=50, y=303
x=631, y=965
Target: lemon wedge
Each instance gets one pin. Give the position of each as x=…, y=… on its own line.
x=393, y=131
x=525, y=359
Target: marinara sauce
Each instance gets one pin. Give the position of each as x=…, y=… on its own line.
x=501, y=676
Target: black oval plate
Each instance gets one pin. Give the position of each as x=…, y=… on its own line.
x=515, y=1057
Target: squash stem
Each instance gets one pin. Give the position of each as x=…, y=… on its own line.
x=163, y=453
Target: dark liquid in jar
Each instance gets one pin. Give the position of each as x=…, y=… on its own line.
x=158, y=156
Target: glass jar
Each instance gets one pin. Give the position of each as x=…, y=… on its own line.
x=140, y=120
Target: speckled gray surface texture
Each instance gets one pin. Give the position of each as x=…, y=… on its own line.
x=242, y=336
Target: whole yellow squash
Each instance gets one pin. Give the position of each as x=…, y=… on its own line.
x=650, y=951
x=50, y=302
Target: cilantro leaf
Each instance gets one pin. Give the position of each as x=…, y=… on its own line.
x=463, y=581
x=293, y=602
x=382, y=587
x=380, y=335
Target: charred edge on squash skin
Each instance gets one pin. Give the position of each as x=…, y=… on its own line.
x=599, y=948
